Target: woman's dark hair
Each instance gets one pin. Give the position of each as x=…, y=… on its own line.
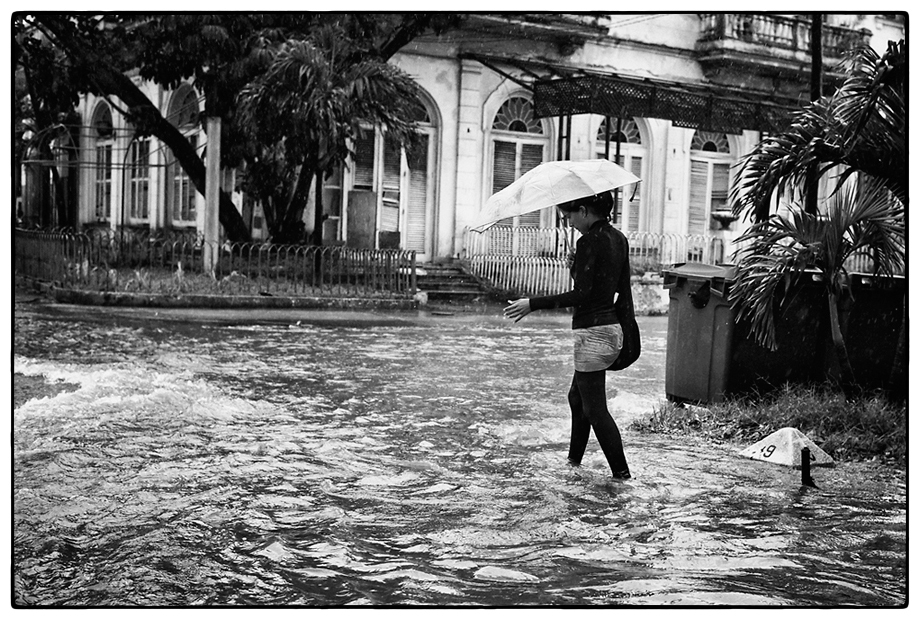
x=600, y=205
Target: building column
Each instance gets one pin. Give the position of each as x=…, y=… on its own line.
x=470, y=151
x=158, y=188
x=211, y=222
x=677, y=181
x=121, y=144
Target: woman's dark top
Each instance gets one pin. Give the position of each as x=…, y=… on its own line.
x=601, y=269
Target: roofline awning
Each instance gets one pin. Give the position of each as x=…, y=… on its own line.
x=561, y=91
x=705, y=107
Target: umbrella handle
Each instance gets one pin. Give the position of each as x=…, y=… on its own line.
x=568, y=245
x=565, y=239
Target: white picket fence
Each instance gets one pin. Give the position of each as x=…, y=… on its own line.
x=532, y=260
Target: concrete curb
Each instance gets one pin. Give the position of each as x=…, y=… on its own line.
x=151, y=300
x=649, y=297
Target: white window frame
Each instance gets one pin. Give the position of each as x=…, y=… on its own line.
x=519, y=139
x=138, y=180
x=377, y=176
x=176, y=175
x=103, y=155
x=710, y=160
x=628, y=152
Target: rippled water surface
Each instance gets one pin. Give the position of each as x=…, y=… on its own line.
x=399, y=459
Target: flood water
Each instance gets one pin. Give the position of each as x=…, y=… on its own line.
x=333, y=459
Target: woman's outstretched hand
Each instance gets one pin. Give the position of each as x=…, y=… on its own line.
x=518, y=309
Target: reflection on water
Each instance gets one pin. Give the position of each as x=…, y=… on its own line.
x=409, y=461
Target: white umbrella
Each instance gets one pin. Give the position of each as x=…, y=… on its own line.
x=550, y=184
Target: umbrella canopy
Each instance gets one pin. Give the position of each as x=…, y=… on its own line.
x=550, y=184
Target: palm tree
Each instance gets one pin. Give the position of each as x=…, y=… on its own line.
x=859, y=220
x=861, y=128
x=858, y=135
x=314, y=97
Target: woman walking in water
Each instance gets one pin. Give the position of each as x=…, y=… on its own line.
x=600, y=269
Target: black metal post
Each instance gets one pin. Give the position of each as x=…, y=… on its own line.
x=607, y=137
x=806, y=468
x=617, y=158
x=559, y=139
x=817, y=81
x=568, y=137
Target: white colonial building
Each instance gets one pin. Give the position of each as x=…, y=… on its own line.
x=675, y=98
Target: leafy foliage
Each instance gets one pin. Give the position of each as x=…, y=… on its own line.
x=316, y=95
x=775, y=254
x=221, y=53
x=860, y=128
x=855, y=136
x=869, y=428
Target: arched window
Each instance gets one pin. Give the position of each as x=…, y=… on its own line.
x=519, y=144
x=629, y=200
x=420, y=169
x=139, y=178
x=181, y=197
x=103, y=136
x=402, y=182
x=710, y=142
x=184, y=108
x=516, y=115
x=710, y=164
x=629, y=133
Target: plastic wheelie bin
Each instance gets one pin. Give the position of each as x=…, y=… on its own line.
x=700, y=330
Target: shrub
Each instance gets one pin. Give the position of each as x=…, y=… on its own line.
x=868, y=427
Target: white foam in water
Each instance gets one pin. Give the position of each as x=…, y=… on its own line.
x=495, y=573
x=118, y=396
x=389, y=480
x=630, y=405
x=524, y=432
x=306, y=467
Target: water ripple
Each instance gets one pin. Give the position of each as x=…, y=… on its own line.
x=409, y=464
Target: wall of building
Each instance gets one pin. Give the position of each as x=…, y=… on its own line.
x=466, y=94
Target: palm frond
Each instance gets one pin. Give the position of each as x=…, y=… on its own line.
x=861, y=128
x=766, y=272
x=860, y=219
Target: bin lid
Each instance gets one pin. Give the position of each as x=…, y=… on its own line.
x=706, y=271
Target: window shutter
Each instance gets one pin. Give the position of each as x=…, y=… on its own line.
x=140, y=178
x=503, y=173
x=503, y=165
x=103, y=179
x=633, y=193
x=503, y=169
x=417, y=208
x=720, y=180
x=389, y=217
x=699, y=182
x=531, y=156
x=364, y=161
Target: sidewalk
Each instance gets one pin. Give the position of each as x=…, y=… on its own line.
x=234, y=310
x=650, y=299
x=198, y=300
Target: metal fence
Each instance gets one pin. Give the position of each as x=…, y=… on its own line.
x=532, y=260
x=110, y=260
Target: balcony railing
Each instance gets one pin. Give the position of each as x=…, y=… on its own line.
x=123, y=261
x=780, y=32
